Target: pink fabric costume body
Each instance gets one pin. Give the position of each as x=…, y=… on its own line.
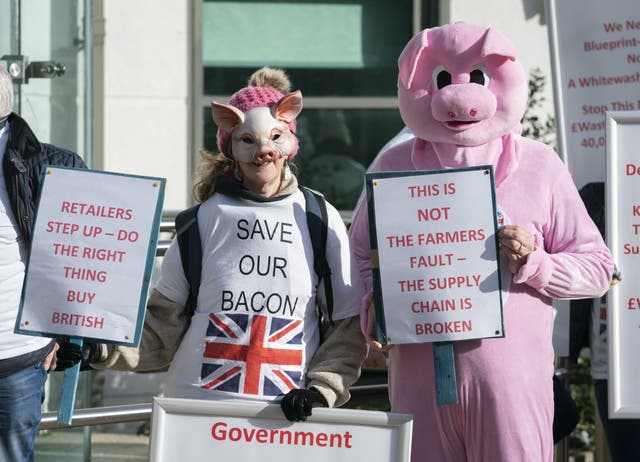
x=505, y=409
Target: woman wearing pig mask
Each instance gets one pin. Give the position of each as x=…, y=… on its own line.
x=255, y=333
x=463, y=93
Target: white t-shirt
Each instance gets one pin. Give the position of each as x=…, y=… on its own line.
x=13, y=254
x=255, y=328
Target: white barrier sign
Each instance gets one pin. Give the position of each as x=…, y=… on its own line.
x=623, y=238
x=92, y=254
x=595, y=47
x=437, y=275
x=188, y=430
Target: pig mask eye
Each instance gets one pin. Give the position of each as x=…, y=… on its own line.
x=479, y=75
x=279, y=137
x=441, y=77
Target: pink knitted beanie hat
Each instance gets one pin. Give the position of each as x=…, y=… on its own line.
x=254, y=96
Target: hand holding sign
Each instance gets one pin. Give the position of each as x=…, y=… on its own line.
x=69, y=354
x=371, y=328
x=516, y=243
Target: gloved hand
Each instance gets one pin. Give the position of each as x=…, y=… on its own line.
x=297, y=404
x=69, y=354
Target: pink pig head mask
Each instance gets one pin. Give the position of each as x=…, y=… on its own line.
x=461, y=84
x=258, y=124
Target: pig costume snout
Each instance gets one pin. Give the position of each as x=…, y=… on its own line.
x=461, y=84
x=459, y=105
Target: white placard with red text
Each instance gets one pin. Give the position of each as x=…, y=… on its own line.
x=623, y=238
x=94, y=243
x=595, y=51
x=184, y=429
x=437, y=275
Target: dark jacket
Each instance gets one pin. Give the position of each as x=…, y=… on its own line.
x=23, y=161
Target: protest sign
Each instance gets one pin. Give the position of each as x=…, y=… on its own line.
x=595, y=56
x=436, y=271
x=183, y=429
x=92, y=255
x=623, y=238
x=91, y=259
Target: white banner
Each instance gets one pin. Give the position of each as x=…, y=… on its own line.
x=188, y=430
x=435, y=235
x=623, y=238
x=595, y=51
x=92, y=254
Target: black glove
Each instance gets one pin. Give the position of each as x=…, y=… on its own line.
x=297, y=404
x=69, y=354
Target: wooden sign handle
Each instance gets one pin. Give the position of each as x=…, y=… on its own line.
x=445, y=368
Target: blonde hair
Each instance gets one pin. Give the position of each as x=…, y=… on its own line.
x=211, y=168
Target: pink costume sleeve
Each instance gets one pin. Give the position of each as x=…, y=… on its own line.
x=361, y=249
x=571, y=260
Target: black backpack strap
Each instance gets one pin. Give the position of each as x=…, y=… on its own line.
x=317, y=221
x=188, y=236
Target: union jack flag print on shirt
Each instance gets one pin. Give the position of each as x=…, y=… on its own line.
x=252, y=354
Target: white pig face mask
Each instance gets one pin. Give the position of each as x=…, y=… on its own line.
x=261, y=134
x=461, y=84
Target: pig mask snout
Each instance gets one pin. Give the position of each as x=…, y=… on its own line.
x=261, y=138
x=265, y=154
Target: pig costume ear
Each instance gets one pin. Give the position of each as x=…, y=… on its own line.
x=408, y=60
x=495, y=44
x=288, y=108
x=226, y=116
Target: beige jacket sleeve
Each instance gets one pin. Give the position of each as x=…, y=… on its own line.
x=164, y=326
x=336, y=364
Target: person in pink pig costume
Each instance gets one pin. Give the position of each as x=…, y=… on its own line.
x=463, y=92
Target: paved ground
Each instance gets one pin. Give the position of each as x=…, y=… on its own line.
x=67, y=446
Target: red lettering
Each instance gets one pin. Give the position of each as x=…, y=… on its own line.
x=633, y=304
x=434, y=214
x=220, y=431
x=417, y=285
x=60, y=227
x=321, y=439
x=448, y=327
x=632, y=169
x=431, y=190
x=400, y=241
x=81, y=320
x=262, y=435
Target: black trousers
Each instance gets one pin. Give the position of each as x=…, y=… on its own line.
x=565, y=414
